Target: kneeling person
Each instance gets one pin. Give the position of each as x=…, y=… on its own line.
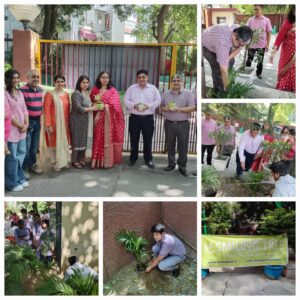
x=83, y=269
x=168, y=251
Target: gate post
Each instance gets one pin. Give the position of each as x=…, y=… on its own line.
x=24, y=51
x=173, y=62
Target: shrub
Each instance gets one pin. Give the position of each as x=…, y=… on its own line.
x=279, y=221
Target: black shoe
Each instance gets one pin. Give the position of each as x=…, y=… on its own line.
x=176, y=272
x=169, y=168
x=131, y=163
x=150, y=164
x=183, y=172
x=259, y=76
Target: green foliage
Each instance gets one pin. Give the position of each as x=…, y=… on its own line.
x=20, y=263
x=134, y=244
x=267, y=9
x=235, y=90
x=7, y=67
x=210, y=178
x=221, y=137
x=219, y=216
x=279, y=221
x=77, y=284
x=254, y=180
x=276, y=150
x=179, y=22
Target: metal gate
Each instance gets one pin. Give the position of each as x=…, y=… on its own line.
x=74, y=58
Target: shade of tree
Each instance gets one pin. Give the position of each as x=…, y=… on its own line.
x=267, y=9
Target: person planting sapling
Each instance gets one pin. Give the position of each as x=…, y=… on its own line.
x=168, y=252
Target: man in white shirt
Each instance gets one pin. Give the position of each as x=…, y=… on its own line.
x=250, y=142
x=141, y=99
x=76, y=265
x=285, y=184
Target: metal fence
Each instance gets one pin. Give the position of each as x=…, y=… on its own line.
x=73, y=58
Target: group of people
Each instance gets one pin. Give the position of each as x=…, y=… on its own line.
x=91, y=123
x=223, y=42
x=250, y=154
x=33, y=230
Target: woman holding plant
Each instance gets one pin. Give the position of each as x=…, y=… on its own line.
x=56, y=123
x=81, y=122
x=108, y=124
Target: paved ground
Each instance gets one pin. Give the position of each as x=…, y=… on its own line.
x=120, y=181
x=245, y=281
x=262, y=88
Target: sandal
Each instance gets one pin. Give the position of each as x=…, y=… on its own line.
x=83, y=163
x=77, y=165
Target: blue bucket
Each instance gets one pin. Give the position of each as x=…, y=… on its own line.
x=204, y=273
x=273, y=272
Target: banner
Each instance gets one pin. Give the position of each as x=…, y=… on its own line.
x=243, y=250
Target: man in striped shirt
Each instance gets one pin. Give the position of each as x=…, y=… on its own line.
x=33, y=95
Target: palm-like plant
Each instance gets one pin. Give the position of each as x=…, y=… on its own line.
x=20, y=262
x=134, y=244
x=77, y=284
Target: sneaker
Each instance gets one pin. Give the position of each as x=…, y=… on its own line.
x=25, y=184
x=18, y=188
x=36, y=169
x=27, y=175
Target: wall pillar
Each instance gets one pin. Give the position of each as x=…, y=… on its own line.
x=24, y=51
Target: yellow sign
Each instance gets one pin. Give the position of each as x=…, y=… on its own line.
x=243, y=250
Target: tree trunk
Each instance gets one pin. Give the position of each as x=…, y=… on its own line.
x=271, y=112
x=49, y=22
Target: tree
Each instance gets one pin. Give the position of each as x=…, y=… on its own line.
x=56, y=18
x=267, y=9
x=163, y=23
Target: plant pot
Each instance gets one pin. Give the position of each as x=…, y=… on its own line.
x=210, y=192
x=141, y=268
x=273, y=272
x=220, y=164
x=204, y=273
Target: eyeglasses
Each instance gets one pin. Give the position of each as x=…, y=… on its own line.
x=242, y=44
x=35, y=76
x=142, y=77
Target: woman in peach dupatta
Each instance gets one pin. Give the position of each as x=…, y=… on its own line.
x=56, y=125
x=108, y=124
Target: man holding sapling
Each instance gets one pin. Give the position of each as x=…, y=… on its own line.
x=221, y=44
x=177, y=105
x=141, y=99
x=168, y=251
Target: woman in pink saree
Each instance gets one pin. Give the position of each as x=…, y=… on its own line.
x=108, y=124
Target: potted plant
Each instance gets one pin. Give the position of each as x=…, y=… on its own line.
x=134, y=244
x=210, y=180
x=221, y=137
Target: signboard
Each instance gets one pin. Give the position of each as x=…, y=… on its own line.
x=243, y=250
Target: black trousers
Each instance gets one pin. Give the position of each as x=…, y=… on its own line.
x=138, y=124
x=248, y=162
x=260, y=59
x=209, y=149
x=211, y=57
x=177, y=131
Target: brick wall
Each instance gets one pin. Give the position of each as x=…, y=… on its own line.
x=182, y=216
x=140, y=216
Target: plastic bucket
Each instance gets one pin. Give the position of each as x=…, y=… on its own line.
x=273, y=272
x=204, y=273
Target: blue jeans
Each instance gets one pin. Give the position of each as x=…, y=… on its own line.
x=170, y=262
x=14, y=174
x=32, y=142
